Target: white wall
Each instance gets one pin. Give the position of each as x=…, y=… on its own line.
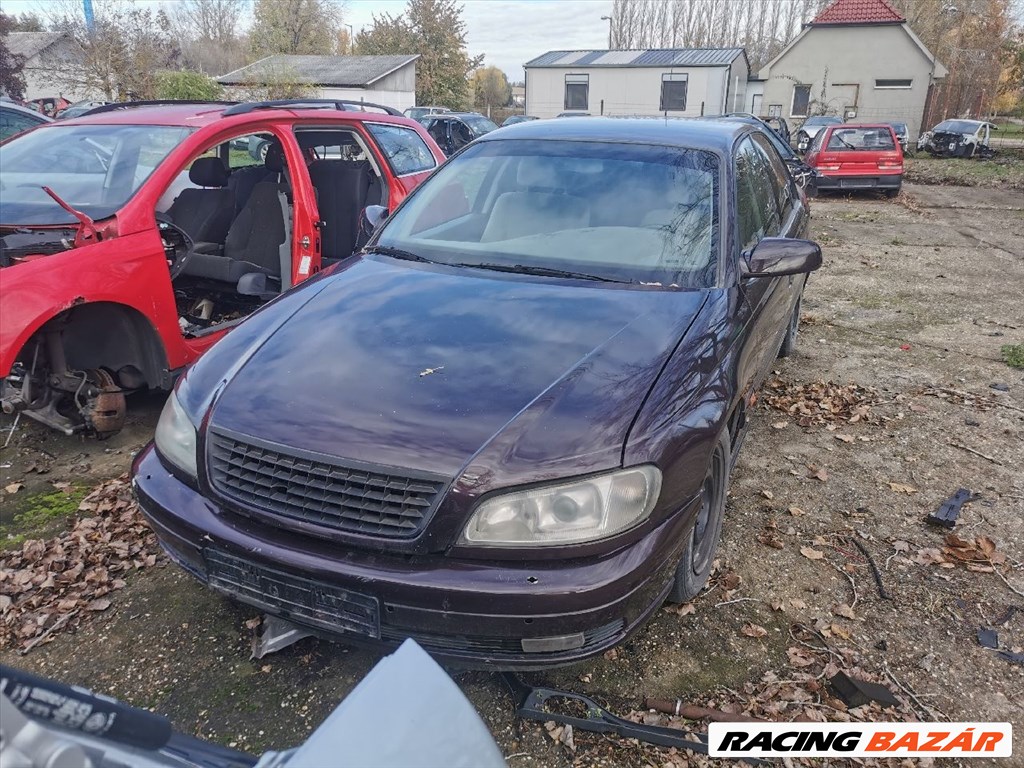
x=630, y=90
x=854, y=55
x=400, y=100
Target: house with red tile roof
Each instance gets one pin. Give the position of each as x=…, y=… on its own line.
x=858, y=59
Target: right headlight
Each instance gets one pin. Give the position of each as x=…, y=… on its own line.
x=176, y=436
x=571, y=512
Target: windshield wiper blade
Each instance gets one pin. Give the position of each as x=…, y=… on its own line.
x=396, y=253
x=526, y=269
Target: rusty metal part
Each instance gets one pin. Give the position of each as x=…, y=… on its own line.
x=104, y=412
x=693, y=712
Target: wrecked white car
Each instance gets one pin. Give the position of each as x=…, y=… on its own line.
x=958, y=138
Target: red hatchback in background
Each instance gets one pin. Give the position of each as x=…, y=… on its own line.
x=134, y=237
x=847, y=157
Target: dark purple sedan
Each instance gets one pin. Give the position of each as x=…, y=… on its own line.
x=505, y=428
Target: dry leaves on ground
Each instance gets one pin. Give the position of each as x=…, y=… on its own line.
x=822, y=402
x=53, y=583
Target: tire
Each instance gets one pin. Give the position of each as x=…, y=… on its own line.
x=699, y=554
x=261, y=151
x=792, y=331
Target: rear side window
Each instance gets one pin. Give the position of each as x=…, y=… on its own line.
x=777, y=171
x=757, y=207
x=403, y=147
x=12, y=122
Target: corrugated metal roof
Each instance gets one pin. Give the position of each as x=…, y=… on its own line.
x=663, y=57
x=28, y=44
x=351, y=71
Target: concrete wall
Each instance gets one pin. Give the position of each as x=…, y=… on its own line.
x=855, y=56
x=633, y=90
x=40, y=80
x=400, y=100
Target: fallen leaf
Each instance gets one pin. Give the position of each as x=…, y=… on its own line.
x=768, y=494
x=798, y=657
x=683, y=609
x=901, y=488
x=798, y=604
x=796, y=511
x=844, y=438
x=812, y=554
x=730, y=580
x=14, y=487
x=98, y=605
x=780, y=424
x=840, y=631
x=818, y=473
x=918, y=408
x=844, y=610
x=901, y=546
x=753, y=630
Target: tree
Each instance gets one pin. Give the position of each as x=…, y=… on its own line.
x=187, y=86
x=128, y=44
x=12, y=80
x=435, y=30
x=295, y=26
x=491, y=89
x=27, y=22
x=207, y=32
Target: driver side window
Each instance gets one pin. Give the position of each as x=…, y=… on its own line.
x=757, y=207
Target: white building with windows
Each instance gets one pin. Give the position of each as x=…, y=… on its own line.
x=680, y=82
x=858, y=59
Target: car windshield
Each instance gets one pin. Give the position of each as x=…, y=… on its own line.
x=625, y=212
x=824, y=120
x=479, y=124
x=94, y=168
x=856, y=138
x=956, y=126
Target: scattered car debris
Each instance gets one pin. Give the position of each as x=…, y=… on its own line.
x=947, y=514
x=1013, y=658
x=988, y=638
x=277, y=635
x=999, y=387
x=856, y=692
x=693, y=712
x=535, y=704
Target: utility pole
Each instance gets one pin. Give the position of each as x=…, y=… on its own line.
x=609, y=20
x=90, y=19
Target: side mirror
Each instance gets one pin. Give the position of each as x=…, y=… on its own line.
x=371, y=218
x=779, y=256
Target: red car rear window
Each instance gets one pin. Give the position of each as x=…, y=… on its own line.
x=858, y=138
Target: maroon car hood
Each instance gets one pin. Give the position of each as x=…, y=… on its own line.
x=420, y=367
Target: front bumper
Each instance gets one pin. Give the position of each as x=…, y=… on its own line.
x=882, y=181
x=472, y=613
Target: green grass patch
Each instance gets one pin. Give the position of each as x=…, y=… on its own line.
x=1013, y=355
x=41, y=515
x=1006, y=170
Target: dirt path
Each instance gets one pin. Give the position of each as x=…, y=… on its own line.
x=916, y=297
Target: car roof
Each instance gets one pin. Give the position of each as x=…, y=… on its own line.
x=196, y=115
x=15, y=107
x=718, y=136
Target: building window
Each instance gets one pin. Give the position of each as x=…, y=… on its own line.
x=774, y=110
x=673, y=93
x=894, y=83
x=801, y=100
x=577, y=92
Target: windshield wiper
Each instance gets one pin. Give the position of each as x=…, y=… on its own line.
x=87, y=230
x=526, y=269
x=396, y=253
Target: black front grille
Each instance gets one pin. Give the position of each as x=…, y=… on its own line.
x=316, y=603
x=511, y=646
x=319, y=490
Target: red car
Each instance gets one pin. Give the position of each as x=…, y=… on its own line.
x=846, y=157
x=133, y=238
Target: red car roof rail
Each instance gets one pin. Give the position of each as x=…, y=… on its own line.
x=343, y=105
x=154, y=103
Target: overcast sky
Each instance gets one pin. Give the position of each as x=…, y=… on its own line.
x=507, y=32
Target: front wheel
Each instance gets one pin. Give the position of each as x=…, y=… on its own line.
x=699, y=554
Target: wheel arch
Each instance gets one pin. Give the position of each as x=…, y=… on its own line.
x=106, y=334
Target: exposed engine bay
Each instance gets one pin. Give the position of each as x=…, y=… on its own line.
x=18, y=244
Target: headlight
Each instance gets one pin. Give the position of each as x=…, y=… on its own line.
x=568, y=513
x=176, y=436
